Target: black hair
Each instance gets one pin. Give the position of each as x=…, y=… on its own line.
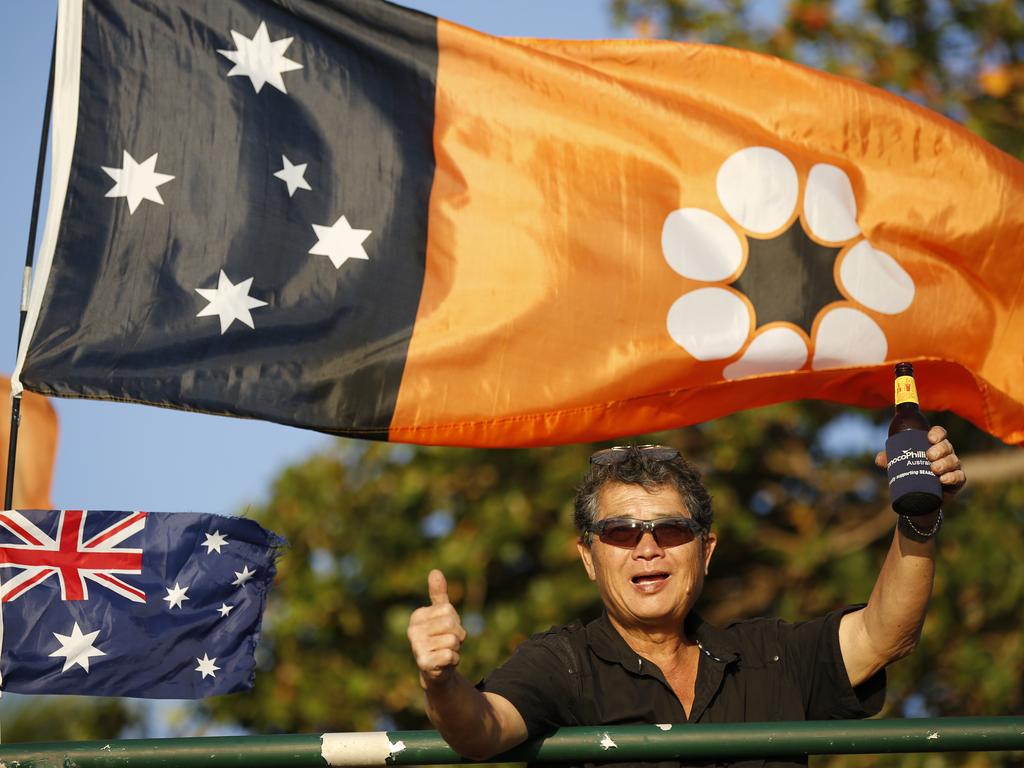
x=638, y=467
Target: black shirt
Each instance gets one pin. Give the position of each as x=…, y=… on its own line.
x=760, y=670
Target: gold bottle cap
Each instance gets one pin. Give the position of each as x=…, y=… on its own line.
x=906, y=390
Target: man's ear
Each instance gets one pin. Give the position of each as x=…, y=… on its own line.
x=709, y=549
x=587, y=557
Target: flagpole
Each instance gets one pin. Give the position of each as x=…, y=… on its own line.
x=12, y=446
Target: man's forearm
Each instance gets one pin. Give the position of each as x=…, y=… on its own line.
x=889, y=626
x=895, y=612
x=467, y=719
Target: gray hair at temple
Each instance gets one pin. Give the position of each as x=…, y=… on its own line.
x=651, y=467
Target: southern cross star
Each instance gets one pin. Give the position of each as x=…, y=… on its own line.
x=176, y=595
x=340, y=242
x=206, y=666
x=224, y=609
x=76, y=648
x=243, y=576
x=136, y=181
x=293, y=175
x=230, y=302
x=260, y=59
x=214, y=541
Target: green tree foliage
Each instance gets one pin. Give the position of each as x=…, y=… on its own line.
x=64, y=718
x=963, y=58
x=801, y=532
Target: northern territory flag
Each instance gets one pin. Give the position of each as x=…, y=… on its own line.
x=351, y=217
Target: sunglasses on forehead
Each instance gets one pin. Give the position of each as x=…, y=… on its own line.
x=619, y=453
x=626, y=532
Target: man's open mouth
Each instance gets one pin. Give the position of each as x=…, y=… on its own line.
x=649, y=578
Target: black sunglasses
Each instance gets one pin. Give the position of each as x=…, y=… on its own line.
x=618, y=454
x=626, y=532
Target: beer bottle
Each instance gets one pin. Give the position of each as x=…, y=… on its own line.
x=913, y=488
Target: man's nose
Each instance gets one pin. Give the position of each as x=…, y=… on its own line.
x=647, y=548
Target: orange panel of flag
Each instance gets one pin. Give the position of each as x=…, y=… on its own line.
x=633, y=235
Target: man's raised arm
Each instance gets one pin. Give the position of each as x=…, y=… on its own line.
x=476, y=725
x=889, y=626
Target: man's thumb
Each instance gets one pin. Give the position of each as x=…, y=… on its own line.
x=437, y=586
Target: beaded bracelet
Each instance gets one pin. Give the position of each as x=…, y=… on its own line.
x=912, y=532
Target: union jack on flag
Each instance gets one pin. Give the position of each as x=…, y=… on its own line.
x=145, y=604
x=73, y=560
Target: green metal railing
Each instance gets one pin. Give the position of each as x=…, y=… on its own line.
x=618, y=744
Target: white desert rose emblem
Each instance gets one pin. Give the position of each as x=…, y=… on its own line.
x=804, y=308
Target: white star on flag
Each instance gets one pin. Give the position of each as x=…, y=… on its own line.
x=340, y=242
x=260, y=59
x=206, y=666
x=176, y=596
x=136, y=181
x=224, y=609
x=214, y=541
x=230, y=302
x=293, y=175
x=76, y=648
x=243, y=576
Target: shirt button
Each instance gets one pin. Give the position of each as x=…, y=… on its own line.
x=775, y=658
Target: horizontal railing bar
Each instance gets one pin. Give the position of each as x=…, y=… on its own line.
x=588, y=744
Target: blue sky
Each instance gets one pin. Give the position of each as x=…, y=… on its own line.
x=115, y=456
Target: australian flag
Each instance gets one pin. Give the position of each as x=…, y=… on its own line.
x=142, y=604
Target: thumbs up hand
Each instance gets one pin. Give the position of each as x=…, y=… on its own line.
x=436, y=633
x=437, y=588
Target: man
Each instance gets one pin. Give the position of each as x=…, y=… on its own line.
x=646, y=540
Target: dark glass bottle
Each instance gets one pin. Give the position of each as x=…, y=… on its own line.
x=913, y=488
x=908, y=409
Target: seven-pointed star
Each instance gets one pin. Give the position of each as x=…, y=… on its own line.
x=76, y=648
x=230, y=301
x=243, y=576
x=260, y=59
x=293, y=175
x=214, y=541
x=224, y=609
x=206, y=666
x=176, y=596
x=340, y=242
x=136, y=181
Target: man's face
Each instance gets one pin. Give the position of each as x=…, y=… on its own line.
x=648, y=586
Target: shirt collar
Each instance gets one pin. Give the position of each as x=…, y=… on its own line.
x=608, y=644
